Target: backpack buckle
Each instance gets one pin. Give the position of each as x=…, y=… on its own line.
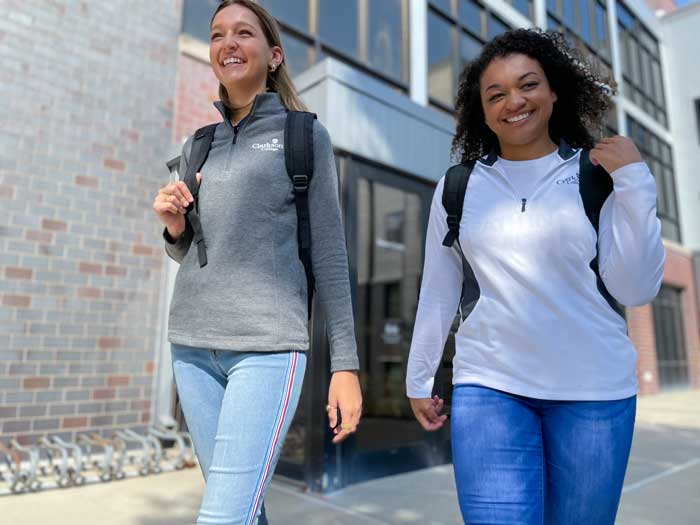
x=300, y=182
x=452, y=222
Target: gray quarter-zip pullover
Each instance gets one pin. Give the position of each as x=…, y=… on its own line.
x=252, y=294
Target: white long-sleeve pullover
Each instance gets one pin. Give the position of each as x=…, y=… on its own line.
x=540, y=326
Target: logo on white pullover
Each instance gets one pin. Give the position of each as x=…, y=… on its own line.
x=269, y=146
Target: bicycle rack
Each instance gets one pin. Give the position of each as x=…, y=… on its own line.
x=59, y=462
x=104, y=466
x=14, y=469
x=182, y=460
x=30, y=477
x=128, y=436
x=75, y=471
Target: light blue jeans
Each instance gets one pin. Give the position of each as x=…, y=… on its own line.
x=238, y=407
x=524, y=461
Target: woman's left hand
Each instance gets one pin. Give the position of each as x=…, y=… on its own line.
x=344, y=393
x=615, y=152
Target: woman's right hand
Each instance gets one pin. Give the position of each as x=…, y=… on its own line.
x=170, y=204
x=427, y=411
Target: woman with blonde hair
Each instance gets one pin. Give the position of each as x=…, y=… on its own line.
x=239, y=318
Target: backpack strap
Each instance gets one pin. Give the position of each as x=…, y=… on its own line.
x=454, y=189
x=299, y=159
x=201, y=145
x=595, y=186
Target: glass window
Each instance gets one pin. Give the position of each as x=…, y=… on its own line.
x=624, y=17
x=196, y=18
x=470, y=16
x=445, y=5
x=601, y=25
x=298, y=54
x=469, y=48
x=440, y=69
x=671, y=355
x=585, y=19
x=292, y=12
x=552, y=7
x=338, y=25
x=495, y=27
x=523, y=6
x=568, y=14
x=386, y=37
x=553, y=24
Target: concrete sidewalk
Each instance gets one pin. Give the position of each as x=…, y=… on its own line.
x=662, y=486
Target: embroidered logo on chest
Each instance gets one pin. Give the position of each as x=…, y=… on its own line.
x=269, y=146
x=573, y=179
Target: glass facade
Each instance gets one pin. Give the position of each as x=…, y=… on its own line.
x=370, y=34
x=456, y=33
x=671, y=355
x=641, y=65
x=658, y=155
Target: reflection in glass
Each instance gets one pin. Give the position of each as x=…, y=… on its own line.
x=585, y=18
x=298, y=54
x=440, y=69
x=292, y=12
x=495, y=27
x=470, y=16
x=338, y=25
x=469, y=48
x=196, y=18
x=443, y=4
x=385, y=37
x=390, y=242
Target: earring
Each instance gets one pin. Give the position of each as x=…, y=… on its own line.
x=273, y=66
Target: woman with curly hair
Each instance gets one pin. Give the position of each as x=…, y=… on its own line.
x=544, y=378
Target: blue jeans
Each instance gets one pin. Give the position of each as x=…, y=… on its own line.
x=238, y=407
x=525, y=461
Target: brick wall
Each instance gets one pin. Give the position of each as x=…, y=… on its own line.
x=679, y=273
x=197, y=89
x=86, y=98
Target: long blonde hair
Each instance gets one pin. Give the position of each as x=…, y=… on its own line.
x=278, y=80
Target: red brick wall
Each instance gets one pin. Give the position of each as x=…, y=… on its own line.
x=679, y=272
x=197, y=89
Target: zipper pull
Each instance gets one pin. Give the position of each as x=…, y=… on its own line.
x=523, y=208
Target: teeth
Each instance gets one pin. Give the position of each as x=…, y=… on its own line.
x=232, y=60
x=518, y=117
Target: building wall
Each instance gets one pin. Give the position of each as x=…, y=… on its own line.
x=680, y=36
x=87, y=122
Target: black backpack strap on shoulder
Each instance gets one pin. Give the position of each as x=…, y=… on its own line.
x=201, y=145
x=595, y=186
x=299, y=159
x=454, y=189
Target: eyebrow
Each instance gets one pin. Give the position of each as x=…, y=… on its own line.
x=217, y=26
x=519, y=79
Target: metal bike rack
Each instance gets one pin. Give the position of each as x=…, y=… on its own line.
x=30, y=477
x=75, y=471
x=104, y=465
x=182, y=460
x=129, y=436
x=13, y=462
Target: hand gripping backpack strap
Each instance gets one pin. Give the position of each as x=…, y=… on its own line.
x=454, y=189
x=201, y=144
x=299, y=159
x=595, y=186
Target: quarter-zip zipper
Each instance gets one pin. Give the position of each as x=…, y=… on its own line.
x=524, y=201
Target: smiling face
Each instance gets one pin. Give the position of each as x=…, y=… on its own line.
x=517, y=102
x=239, y=51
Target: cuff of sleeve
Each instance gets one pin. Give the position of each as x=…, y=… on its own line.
x=345, y=364
x=420, y=392
x=168, y=237
x=629, y=169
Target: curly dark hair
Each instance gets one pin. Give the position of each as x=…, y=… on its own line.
x=583, y=94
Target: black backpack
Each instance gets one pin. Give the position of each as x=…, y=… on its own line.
x=299, y=160
x=595, y=185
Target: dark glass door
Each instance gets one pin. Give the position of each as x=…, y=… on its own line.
x=386, y=218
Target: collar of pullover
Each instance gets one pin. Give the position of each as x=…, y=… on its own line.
x=265, y=104
x=565, y=153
